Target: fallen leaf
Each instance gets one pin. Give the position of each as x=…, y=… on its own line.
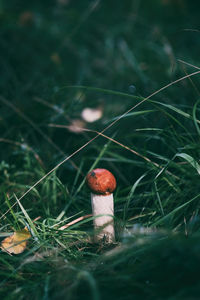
x=17, y=242
x=76, y=126
x=91, y=115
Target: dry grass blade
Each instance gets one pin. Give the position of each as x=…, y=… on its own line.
x=75, y=221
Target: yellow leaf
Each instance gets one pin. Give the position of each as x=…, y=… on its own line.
x=16, y=243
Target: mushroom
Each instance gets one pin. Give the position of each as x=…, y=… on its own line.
x=102, y=183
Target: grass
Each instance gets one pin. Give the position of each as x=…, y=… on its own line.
x=138, y=62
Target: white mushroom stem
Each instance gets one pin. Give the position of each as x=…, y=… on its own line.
x=103, y=211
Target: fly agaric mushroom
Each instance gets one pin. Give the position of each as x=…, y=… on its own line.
x=102, y=183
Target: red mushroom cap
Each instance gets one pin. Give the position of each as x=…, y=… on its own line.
x=101, y=181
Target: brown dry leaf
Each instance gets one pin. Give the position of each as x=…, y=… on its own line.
x=16, y=243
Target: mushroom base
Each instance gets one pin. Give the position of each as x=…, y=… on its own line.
x=103, y=210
